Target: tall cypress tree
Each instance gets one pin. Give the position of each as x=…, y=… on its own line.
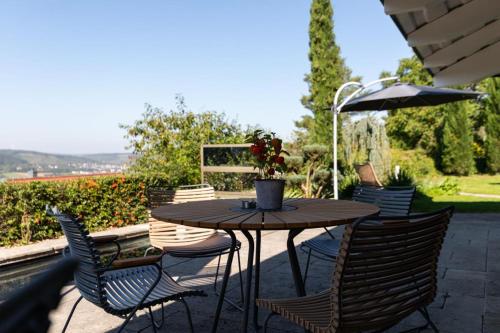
x=328, y=72
x=492, y=124
x=457, y=156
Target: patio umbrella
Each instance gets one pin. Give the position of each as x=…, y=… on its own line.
x=402, y=95
x=396, y=96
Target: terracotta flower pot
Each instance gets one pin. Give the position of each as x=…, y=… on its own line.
x=269, y=193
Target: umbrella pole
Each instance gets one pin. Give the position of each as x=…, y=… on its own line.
x=336, y=108
x=335, y=166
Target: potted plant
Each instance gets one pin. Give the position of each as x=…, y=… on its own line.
x=266, y=151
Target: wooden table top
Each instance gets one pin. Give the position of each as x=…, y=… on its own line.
x=224, y=214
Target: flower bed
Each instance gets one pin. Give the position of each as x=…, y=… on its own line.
x=102, y=202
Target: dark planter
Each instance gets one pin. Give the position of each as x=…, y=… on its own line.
x=269, y=193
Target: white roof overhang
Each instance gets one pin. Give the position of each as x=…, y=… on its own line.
x=458, y=41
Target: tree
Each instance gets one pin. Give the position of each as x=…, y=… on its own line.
x=412, y=128
x=328, y=72
x=366, y=140
x=307, y=172
x=456, y=153
x=492, y=124
x=167, y=144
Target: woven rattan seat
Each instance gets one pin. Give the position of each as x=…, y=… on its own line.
x=311, y=312
x=212, y=245
x=386, y=270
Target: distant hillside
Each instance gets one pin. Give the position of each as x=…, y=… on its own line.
x=113, y=158
x=24, y=160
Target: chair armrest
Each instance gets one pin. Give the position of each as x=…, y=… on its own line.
x=104, y=239
x=134, y=262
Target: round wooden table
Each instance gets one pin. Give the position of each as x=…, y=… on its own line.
x=296, y=215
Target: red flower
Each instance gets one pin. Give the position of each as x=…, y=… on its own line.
x=276, y=142
x=271, y=171
x=280, y=160
x=256, y=150
x=262, y=157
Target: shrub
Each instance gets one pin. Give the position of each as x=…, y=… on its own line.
x=404, y=178
x=101, y=202
x=415, y=162
x=447, y=187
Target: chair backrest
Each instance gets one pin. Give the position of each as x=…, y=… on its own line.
x=27, y=310
x=87, y=277
x=159, y=196
x=191, y=193
x=367, y=175
x=386, y=269
x=164, y=234
x=392, y=201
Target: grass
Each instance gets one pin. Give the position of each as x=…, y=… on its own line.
x=463, y=204
x=477, y=184
x=481, y=184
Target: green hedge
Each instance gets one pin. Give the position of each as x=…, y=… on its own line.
x=102, y=202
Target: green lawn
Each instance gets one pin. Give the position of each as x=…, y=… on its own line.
x=479, y=184
x=482, y=184
x=463, y=204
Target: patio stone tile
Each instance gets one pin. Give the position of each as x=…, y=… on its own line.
x=491, y=323
x=467, y=257
x=460, y=314
x=493, y=284
x=492, y=305
x=462, y=282
x=494, y=264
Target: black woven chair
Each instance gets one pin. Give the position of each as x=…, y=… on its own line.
x=121, y=287
x=27, y=310
x=386, y=270
x=392, y=201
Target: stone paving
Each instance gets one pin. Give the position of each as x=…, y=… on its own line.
x=468, y=292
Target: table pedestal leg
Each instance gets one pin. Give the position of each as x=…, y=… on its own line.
x=248, y=285
x=257, y=280
x=294, y=262
x=227, y=273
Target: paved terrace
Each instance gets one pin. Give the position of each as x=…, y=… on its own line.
x=468, y=298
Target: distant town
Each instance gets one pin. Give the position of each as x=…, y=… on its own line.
x=18, y=164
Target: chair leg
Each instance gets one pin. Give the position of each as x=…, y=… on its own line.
x=127, y=319
x=267, y=320
x=71, y=314
x=154, y=323
x=427, y=317
x=147, y=250
x=217, y=272
x=307, y=266
x=188, y=312
x=241, y=276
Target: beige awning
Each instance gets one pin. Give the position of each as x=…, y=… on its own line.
x=458, y=41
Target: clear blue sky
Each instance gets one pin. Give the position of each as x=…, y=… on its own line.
x=71, y=71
